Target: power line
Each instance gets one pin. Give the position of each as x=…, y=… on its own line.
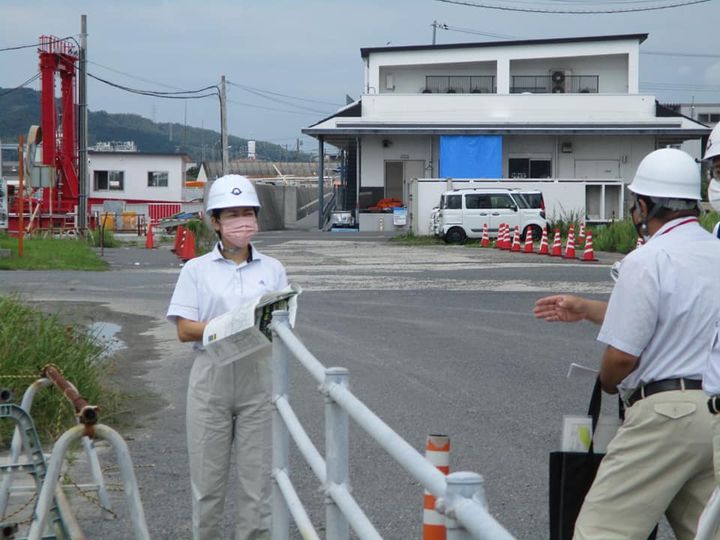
x=18, y=47
x=573, y=11
x=269, y=108
x=22, y=85
x=244, y=87
x=134, y=76
x=166, y=95
x=471, y=31
x=284, y=102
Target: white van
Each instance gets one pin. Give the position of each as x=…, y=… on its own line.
x=463, y=213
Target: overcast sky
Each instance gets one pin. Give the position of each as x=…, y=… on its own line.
x=311, y=49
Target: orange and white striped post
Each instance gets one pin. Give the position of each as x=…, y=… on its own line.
x=437, y=452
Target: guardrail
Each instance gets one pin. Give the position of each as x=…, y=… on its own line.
x=460, y=496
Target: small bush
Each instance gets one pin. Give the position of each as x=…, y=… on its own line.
x=709, y=219
x=29, y=340
x=619, y=236
x=108, y=238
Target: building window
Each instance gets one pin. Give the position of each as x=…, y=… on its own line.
x=157, y=179
x=709, y=118
x=109, y=180
x=529, y=168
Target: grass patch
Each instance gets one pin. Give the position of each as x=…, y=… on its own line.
x=107, y=238
x=29, y=340
x=410, y=239
x=50, y=254
x=619, y=237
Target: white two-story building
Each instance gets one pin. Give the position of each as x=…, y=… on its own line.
x=565, y=114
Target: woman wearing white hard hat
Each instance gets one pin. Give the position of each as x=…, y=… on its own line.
x=230, y=403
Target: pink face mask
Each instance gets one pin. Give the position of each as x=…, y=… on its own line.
x=239, y=230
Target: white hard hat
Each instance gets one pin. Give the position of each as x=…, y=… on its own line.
x=713, y=145
x=231, y=190
x=669, y=174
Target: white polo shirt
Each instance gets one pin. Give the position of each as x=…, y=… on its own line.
x=665, y=304
x=211, y=285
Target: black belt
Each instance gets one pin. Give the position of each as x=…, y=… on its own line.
x=666, y=385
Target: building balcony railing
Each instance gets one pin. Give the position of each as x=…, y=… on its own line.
x=557, y=83
x=459, y=84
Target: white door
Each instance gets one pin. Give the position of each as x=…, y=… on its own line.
x=503, y=210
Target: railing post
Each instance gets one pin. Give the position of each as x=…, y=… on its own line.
x=280, y=437
x=336, y=454
x=461, y=485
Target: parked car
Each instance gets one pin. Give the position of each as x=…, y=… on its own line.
x=463, y=213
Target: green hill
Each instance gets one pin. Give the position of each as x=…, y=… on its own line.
x=21, y=108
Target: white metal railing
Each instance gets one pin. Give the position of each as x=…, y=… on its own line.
x=460, y=496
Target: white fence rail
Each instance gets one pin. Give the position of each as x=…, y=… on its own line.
x=460, y=496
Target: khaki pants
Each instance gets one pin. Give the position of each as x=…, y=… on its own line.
x=659, y=462
x=229, y=405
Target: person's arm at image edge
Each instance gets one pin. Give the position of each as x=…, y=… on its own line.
x=188, y=330
x=569, y=308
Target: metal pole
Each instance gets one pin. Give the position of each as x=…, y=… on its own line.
x=336, y=454
x=321, y=182
x=82, y=129
x=280, y=436
x=21, y=195
x=434, y=25
x=223, y=126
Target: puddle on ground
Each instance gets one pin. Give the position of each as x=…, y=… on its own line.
x=105, y=334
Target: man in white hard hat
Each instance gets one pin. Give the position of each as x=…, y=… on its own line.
x=228, y=403
x=712, y=153
x=657, y=327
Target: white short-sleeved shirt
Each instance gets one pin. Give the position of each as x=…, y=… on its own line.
x=665, y=304
x=211, y=285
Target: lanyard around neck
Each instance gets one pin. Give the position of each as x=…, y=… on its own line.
x=689, y=220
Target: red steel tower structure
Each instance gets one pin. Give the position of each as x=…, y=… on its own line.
x=59, y=149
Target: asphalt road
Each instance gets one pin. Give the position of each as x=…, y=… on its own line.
x=437, y=339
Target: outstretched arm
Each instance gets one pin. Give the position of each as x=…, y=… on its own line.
x=569, y=308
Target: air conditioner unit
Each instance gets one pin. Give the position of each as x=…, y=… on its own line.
x=558, y=79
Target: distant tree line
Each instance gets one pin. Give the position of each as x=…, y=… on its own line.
x=21, y=108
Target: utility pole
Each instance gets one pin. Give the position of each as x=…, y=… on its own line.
x=82, y=129
x=434, y=25
x=223, y=127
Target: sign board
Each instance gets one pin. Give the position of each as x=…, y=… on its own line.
x=3, y=204
x=399, y=216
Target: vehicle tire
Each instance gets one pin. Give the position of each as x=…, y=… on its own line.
x=456, y=235
x=536, y=232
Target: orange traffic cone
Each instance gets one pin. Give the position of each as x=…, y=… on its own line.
x=507, y=244
x=485, y=240
x=544, y=243
x=186, y=248
x=589, y=253
x=149, y=238
x=178, y=235
x=516, y=239
x=581, y=234
x=557, y=248
x=498, y=238
x=437, y=452
x=570, y=246
x=528, y=242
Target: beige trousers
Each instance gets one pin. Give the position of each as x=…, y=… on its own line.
x=229, y=405
x=659, y=462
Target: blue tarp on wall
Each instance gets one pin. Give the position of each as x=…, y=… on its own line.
x=471, y=156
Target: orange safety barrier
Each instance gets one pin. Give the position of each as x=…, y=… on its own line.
x=437, y=452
